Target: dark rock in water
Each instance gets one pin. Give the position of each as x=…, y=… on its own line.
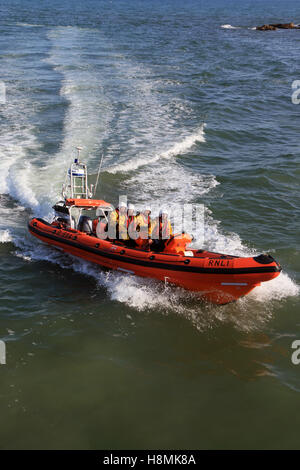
x=273, y=27
x=266, y=27
x=284, y=25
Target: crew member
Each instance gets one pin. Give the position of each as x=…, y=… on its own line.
x=118, y=222
x=130, y=213
x=161, y=230
x=131, y=226
x=143, y=226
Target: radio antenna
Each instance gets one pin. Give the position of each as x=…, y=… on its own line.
x=98, y=175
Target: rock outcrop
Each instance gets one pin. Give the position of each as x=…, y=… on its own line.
x=273, y=27
x=266, y=27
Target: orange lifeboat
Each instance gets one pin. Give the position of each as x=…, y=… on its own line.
x=219, y=278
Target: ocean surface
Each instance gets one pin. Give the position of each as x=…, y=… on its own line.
x=188, y=103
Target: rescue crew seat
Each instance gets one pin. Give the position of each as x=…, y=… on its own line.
x=85, y=224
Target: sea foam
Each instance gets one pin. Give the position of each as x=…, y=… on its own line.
x=229, y=26
x=176, y=149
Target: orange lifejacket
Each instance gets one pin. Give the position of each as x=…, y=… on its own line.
x=145, y=219
x=115, y=217
x=131, y=219
x=143, y=224
x=122, y=226
x=162, y=229
x=115, y=214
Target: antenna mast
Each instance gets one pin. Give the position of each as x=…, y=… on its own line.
x=98, y=175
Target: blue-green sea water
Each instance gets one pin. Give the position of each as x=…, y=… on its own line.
x=188, y=103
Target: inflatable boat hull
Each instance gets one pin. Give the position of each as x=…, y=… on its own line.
x=218, y=278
